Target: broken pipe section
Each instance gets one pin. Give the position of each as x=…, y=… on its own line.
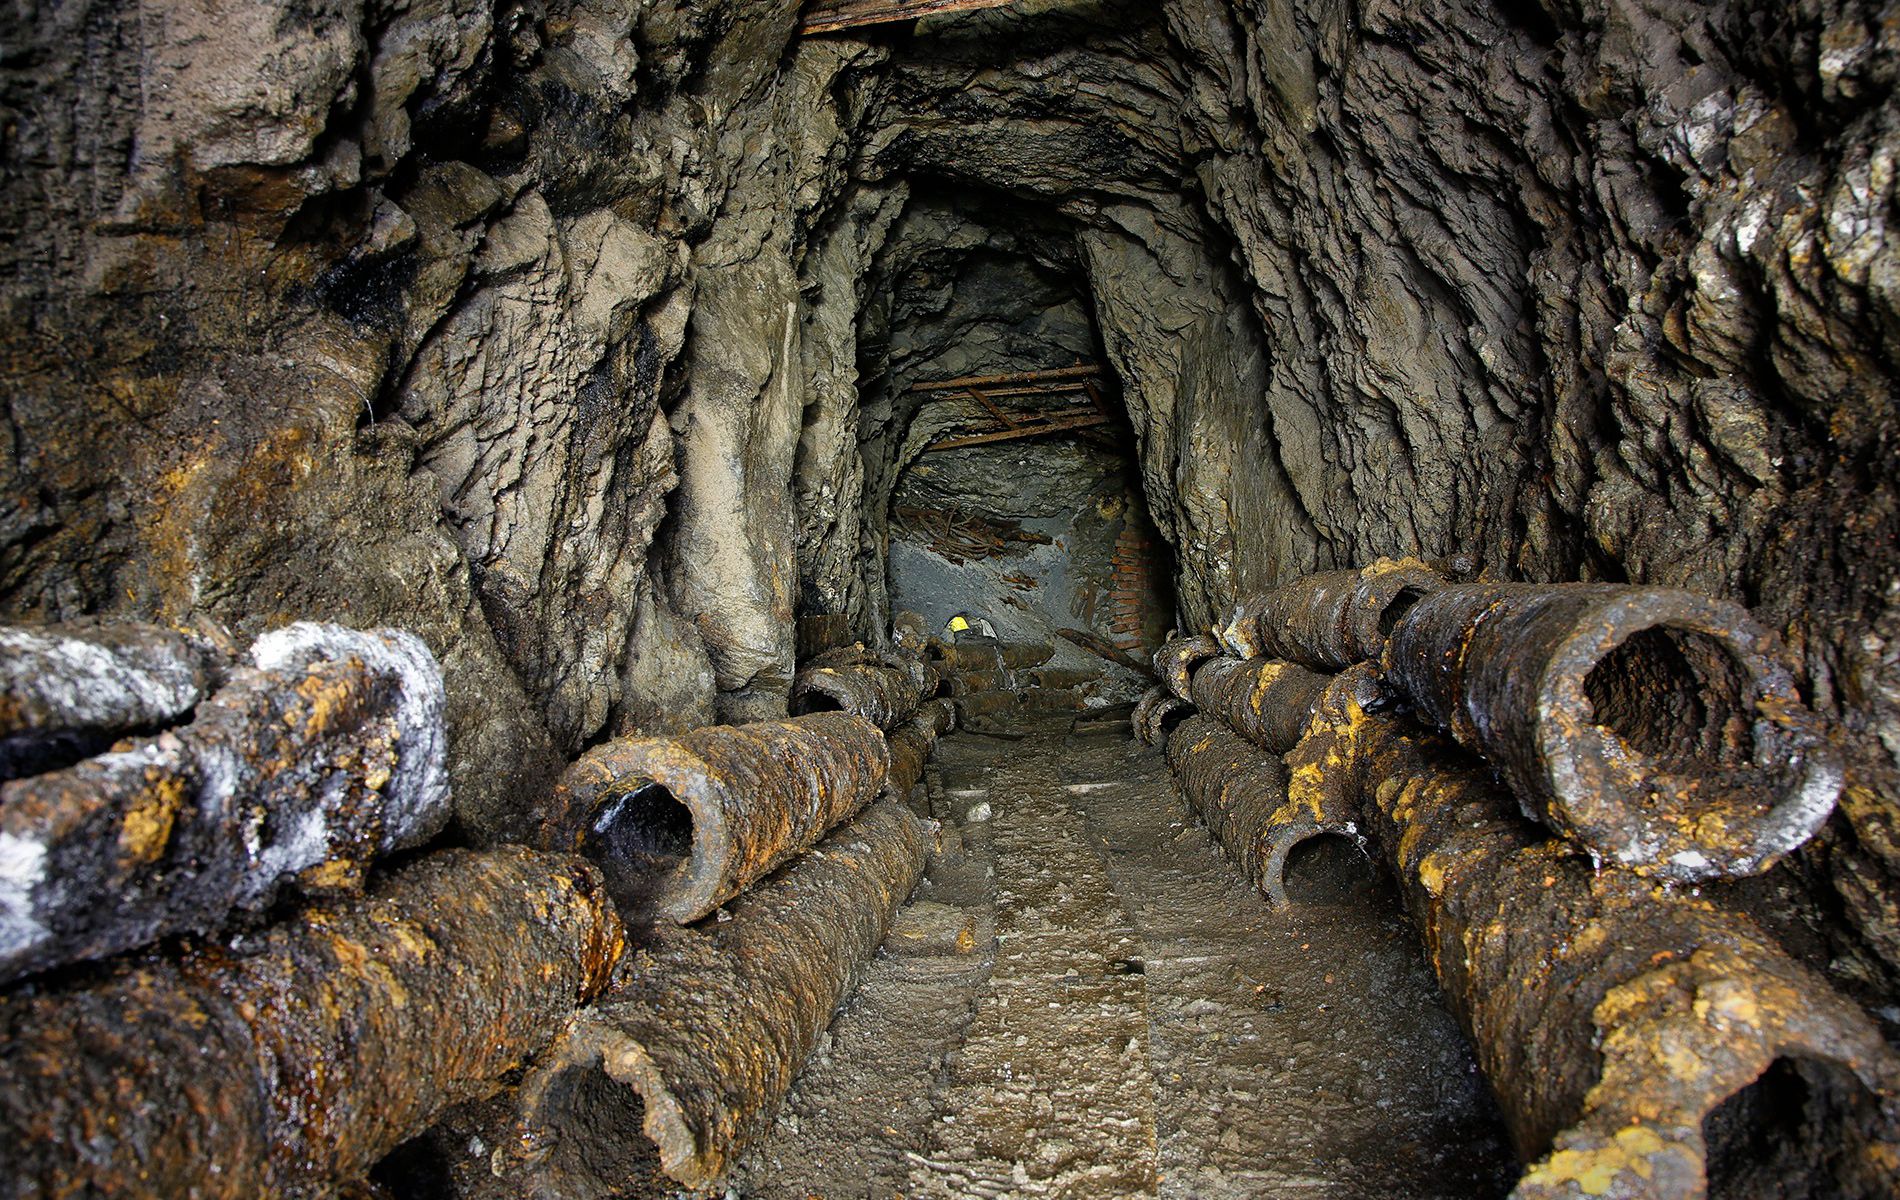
x=682, y=824
x=1612, y=1016
x=690, y=1055
x=296, y=1063
x=1329, y=620
x=1654, y=726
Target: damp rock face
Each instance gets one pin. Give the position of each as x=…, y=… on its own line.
x=562, y=333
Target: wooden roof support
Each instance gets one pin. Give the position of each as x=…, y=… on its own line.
x=963, y=383
x=828, y=16
x=1021, y=431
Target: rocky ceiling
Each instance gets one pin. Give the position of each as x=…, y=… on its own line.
x=561, y=332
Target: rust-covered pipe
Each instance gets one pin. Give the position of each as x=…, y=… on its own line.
x=882, y=694
x=911, y=746
x=296, y=1062
x=1329, y=620
x=683, y=824
x=299, y=772
x=1654, y=726
x=687, y=1060
x=1264, y=700
x=1613, y=1016
x=1156, y=714
x=942, y=714
x=1179, y=655
x=67, y=691
x=1240, y=792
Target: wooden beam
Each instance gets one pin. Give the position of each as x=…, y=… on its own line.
x=1021, y=431
x=829, y=16
x=1002, y=418
x=970, y=381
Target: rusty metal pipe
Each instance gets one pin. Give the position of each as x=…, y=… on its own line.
x=295, y=1063
x=298, y=773
x=68, y=691
x=1178, y=656
x=884, y=695
x=911, y=746
x=683, y=824
x=1654, y=726
x=1611, y=1015
x=1264, y=700
x=942, y=713
x=1156, y=714
x=1240, y=792
x=689, y=1057
x=1329, y=620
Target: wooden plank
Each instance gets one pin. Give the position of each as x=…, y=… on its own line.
x=970, y=381
x=1002, y=418
x=1024, y=431
x=828, y=16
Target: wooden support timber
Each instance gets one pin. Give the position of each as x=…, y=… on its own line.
x=829, y=16
x=1008, y=425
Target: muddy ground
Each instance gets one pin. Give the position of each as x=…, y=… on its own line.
x=1083, y=1000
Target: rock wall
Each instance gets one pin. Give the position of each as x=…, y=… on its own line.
x=1583, y=289
x=426, y=314
x=559, y=330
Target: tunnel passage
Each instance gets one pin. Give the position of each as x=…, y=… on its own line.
x=1007, y=478
x=606, y=347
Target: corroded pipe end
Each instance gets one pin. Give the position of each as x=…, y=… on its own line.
x=1385, y=590
x=1682, y=1043
x=685, y=823
x=1330, y=619
x=1675, y=742
x=1177, y=658
x=1156, y=714
x=1655, y=726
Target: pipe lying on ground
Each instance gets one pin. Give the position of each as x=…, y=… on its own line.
x=1652, y=725
x=911, y=745
x=1179, y=655
x=683, y=824
x=299, y=772
x=1240, y=793
x=1611, y=1016
x=1329, y=620
x=1156, y=713
x=690, y=1056
x=296, y=1063
x=1264, y=700
x=942, y=714
x=884, y=695
x=68, y=691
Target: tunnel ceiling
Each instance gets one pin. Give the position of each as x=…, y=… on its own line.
x=566, y=333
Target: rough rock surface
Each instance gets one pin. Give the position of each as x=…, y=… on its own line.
x=534, y=327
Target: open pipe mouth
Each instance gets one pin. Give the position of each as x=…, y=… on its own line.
x=1675, y=743
x=1678, y=698
x=1319, y=866
x=812, y=700
x=642, y=839
x=1779, y=1136
x=598, y=1149
x=1396, y=608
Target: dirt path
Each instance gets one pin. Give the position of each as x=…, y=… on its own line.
x=1085, y=1002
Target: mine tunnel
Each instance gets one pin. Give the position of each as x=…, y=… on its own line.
x=788, y=599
